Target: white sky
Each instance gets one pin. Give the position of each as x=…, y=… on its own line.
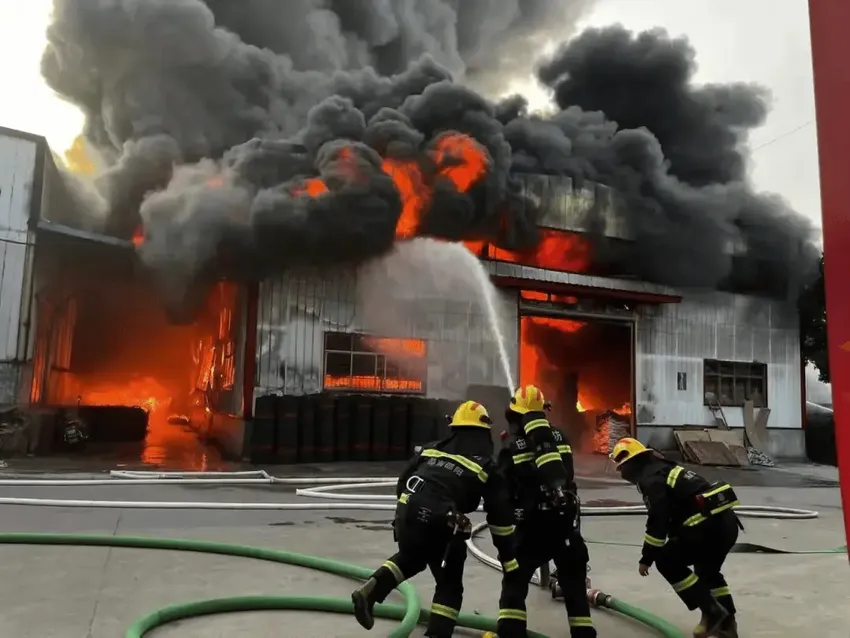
x=763, y=41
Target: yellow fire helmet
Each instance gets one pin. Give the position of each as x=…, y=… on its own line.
x=627, y=449
x=528, y=398
x=471, y=414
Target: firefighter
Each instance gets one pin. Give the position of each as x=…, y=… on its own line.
x=538, y=464
x=443, y=482
x=690, y=522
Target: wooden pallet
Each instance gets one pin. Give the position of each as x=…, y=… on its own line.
x=711, y=453
x=710, y=446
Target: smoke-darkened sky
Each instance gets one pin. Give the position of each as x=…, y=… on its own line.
x=732, y=45
x=164, y=83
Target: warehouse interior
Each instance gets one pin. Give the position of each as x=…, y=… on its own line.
x=103, y=341
x=585, y=367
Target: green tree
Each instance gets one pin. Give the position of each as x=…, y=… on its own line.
x=812, y=308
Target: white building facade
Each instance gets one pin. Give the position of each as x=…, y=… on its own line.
x=737, y=347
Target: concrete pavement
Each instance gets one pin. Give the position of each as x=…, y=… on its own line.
x=63, y=592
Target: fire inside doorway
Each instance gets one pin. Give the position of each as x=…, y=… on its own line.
x=104, y=340
x=584, y=367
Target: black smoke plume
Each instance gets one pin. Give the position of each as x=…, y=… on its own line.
x=212, y=116
x=677, y=153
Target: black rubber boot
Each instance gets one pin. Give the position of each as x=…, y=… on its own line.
x=364, y=601
x=729, y=628
x=715, y=618
x=700, y=630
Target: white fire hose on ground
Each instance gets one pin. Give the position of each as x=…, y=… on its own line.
x=336, y=489
x=327, y=488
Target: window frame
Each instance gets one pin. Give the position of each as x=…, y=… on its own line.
x=383, y=363
x=719, y=370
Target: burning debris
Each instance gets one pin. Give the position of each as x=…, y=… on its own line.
x=247, y=141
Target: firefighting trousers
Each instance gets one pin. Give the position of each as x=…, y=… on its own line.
x=704, y=547
x=538, y=543
x=427, y=546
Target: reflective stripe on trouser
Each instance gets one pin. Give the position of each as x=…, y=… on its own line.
x=512, y=615
x=724, y=597
x=512, y=621
x=392, y=573
x=572, y=571
x=448, y=592
x=580, y=621
x=444, y=610
x=685, y=583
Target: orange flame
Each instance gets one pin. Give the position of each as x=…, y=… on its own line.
x=460, y=159
x=624, y=410
x=313, y=187
x=372, y=383
x=395, y=349
x=475, y=246
x=146, y=393
x=564, y=325
x=537, y=295
x=408, y=347
x=78, y=159
x=531, y=361
x=407, y=178
x=457, y=157
x=557, y=354
x=556, y=250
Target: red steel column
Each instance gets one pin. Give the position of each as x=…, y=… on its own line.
x=830, y=55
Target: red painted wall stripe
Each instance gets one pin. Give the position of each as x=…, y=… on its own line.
x=830, y=55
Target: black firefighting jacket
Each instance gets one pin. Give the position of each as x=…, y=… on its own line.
x=534, y=462
x=461, y=469
x=671, y=495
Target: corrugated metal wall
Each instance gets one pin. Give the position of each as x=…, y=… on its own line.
x=296, y=310
x=17, y=166
x=677, y=338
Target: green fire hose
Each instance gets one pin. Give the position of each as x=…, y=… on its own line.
x=409, y=615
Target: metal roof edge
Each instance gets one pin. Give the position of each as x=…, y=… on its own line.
x=68, y=231
x=532, y=273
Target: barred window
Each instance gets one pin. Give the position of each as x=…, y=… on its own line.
x=734, y=382
x=363, y=363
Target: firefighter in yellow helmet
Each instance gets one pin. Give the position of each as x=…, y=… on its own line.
x=537, y=462
x=690, y=522
x=444, y=481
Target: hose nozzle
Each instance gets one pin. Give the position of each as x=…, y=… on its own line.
x=597, y=598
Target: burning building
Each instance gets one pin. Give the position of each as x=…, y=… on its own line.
x=609, y=350
x=282, y=257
